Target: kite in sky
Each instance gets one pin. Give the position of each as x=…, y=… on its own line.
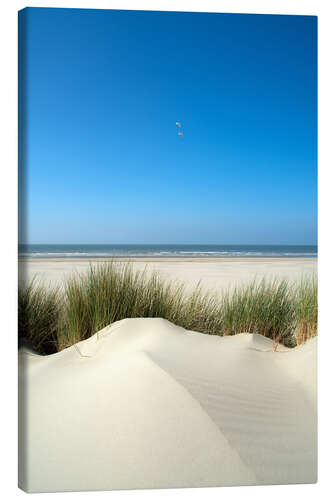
x=179, y=125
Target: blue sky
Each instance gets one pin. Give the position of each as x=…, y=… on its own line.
x=103, y=163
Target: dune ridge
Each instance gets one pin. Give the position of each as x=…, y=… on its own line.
x=146, y=404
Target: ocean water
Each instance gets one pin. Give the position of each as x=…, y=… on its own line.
x=84, y=251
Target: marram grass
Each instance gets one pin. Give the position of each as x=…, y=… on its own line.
x=39, y=311
x=307, y=309
x=55, y=319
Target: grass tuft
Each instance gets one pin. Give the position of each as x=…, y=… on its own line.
x=38, y=316
x=266, y=308
x=108, y=292
x=307, y=309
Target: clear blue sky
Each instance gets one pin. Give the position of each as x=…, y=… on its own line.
x=104, y=163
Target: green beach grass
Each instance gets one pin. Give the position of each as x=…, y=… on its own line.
x=53, y=319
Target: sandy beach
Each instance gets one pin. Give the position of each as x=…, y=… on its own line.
x=144, y=403
x=213, y=273
x=147, y=404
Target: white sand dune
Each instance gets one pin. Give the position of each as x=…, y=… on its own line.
x=146, y=404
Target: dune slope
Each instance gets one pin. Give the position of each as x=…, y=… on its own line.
x=146, y=404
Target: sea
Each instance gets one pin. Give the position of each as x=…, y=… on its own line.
x=110, y=250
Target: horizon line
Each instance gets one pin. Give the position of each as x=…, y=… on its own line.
x=184, y=244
